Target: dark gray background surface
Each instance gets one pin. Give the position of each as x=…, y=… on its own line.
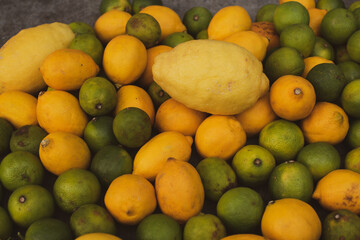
x=18, y=14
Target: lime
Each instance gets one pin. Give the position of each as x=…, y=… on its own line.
x=352, y=160
x=30, y=203
x=240, y=209
x=253, y=164
x=320, y=158
x=89, y=44
x=282, y=138
x=49, y=229
x=217, y=177
x=204, y=226
x=176, y=38
x=353, y=135
x=138, y=5
x=356, y=13
x=6, y=224
x=20, y=168
x=99, y=133
x=266, y=13
x=354, y=6
x=144, y=27
x=353, y=46
x=92, y=218
x=107, y=5
x=350, y=98
x=298, y=36
x=203, y=34
x=157, y=94
x=6, y=130
x=341, y=54
x=290, y=13
x=291, y=180
x=284, y=61
x=323, y=48
x=27, y=138
x=341, y=224
x=81, y=27
x=158, y=226
x=328, y=81
x=97, y=96
x=132, y=127
x=196, y=19
x=74, y=188
x=330, y=4
x=338, y=25
x=111, y=162
x=350, y=69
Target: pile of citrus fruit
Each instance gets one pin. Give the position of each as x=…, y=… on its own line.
x=214, y=126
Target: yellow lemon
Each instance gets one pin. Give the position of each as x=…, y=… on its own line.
x=227, y=21
x=124, y=59
x=97, y=236
x=290, y=218
x=334, y=194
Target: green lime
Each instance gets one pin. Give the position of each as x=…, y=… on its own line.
x=20, y=168
x=253, y=165
x=99, y=133
x=291, y=179
x=158, y=226
x=132, y=127
x=97, y=96
x=284, y=61
x=323, y=48
x=354, y=6
x=341, y=54
x=157, y=94
x=352, y=160
x=6, y=224
x=330, y=4
x=6, y=130
x=27, y=138
x=356, y=13
x=328, y=81
x=240, y=209
x=81, y=27
x=282, y=138
x=320, y=158
x=176, y=38
x=89, y=44
x=144, y=27
x=75, y=188
x=299, y=36
x=337, y=26
x=203, y=34
x=137, y=5
x=49, y=229
x=350, y=98
x=111, y=162
x=107, y=5
x=353, y=135
x=30, y=203
x=341, y=224
x=217, y=177
x=204, y=226
x=353, y=46
x=196, y=19
x=290, y=13
x=266, y=13
x=92, y=218
x=350, y=69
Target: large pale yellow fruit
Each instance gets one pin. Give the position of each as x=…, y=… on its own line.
x=22, y=55
x=211, y=76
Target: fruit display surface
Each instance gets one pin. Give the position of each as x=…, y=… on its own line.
x=104, y=132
